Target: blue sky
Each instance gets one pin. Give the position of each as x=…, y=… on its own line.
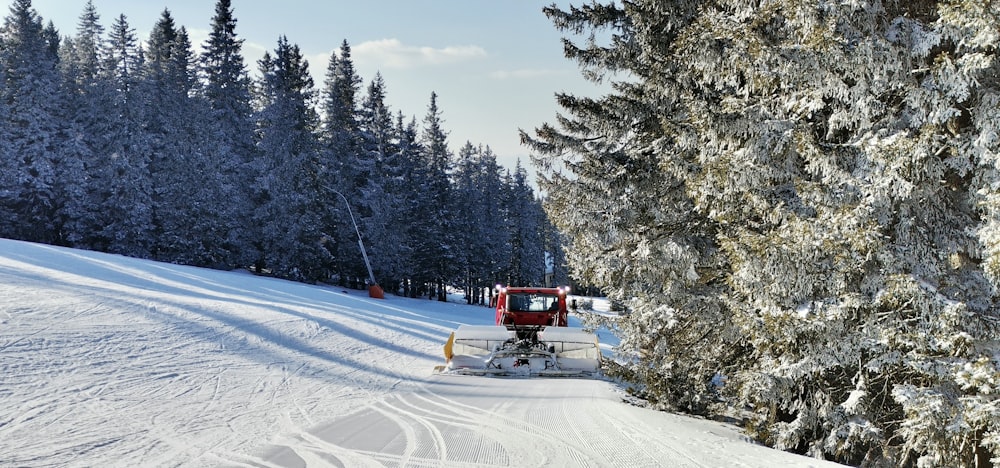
x=495, y=65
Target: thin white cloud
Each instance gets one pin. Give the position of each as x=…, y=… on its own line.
x=526, y=73
x=198, y=38
x=252, y=52
x=391, y=53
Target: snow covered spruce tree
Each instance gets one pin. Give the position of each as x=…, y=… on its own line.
x=482, y=246
x=614, y=181
x=492, y=244
x=123, y=152
x=433, y=241
x=191, y=199
x=41, y=196
x=87, y=94
x=521, y=215
x=800, y=195
x=382, y=202
x=340, y=142
x=465, y=197
x=288, y=189
x=226, y=85
x=407, y=190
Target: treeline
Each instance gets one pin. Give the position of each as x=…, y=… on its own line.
x=151, y=151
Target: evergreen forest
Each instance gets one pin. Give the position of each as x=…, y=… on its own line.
x=148, y=150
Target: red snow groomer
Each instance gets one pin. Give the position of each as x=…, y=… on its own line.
x=531, y=337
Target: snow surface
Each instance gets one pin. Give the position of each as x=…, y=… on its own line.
x=112, y=361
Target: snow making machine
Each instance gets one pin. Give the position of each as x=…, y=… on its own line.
x=530, y=338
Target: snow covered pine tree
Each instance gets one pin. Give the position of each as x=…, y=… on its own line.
x=801, y=195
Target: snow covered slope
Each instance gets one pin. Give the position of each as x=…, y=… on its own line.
x=112, y=361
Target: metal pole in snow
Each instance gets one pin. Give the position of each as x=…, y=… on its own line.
x=364, y=254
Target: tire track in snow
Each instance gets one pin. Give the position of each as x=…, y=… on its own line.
x=410, y=434
x=440, y=446
x=580, y=438
x=429, y=429
x=591, y=427
x=511, y=431
x=307, y=449
x=475, y=440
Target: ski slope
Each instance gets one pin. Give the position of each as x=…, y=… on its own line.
x=112, y=361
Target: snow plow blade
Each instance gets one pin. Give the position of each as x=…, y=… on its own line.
x=495, y=350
